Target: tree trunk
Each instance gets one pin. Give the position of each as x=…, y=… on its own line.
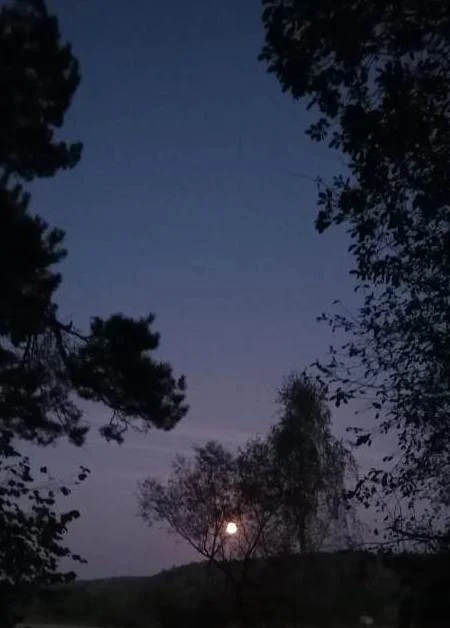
x=241, y=607
x=405, y=612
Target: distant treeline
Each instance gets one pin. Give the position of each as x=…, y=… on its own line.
x=308, y=588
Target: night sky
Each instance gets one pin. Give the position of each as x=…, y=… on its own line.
x=193, y=200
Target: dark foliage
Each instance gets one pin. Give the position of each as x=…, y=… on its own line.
x=378, y=74
x=46, y=364
x=38, y=78
x=32, y=535
x=43, y=360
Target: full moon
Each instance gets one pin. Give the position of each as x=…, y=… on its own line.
x=231, y=528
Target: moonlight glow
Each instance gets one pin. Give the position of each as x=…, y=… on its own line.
x=231, y=528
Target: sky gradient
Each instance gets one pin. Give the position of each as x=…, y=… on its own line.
x=194, y=200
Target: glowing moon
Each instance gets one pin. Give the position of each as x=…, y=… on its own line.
x=231, y=528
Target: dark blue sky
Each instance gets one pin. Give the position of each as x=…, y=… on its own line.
x=190, y=202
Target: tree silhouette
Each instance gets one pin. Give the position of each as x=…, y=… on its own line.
x=312, y=467
x=44, y=360
x=38, y=78
x=285, y=494
x=204, y=494
x=47, y=364
x=378, y=76
x=32, y=534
